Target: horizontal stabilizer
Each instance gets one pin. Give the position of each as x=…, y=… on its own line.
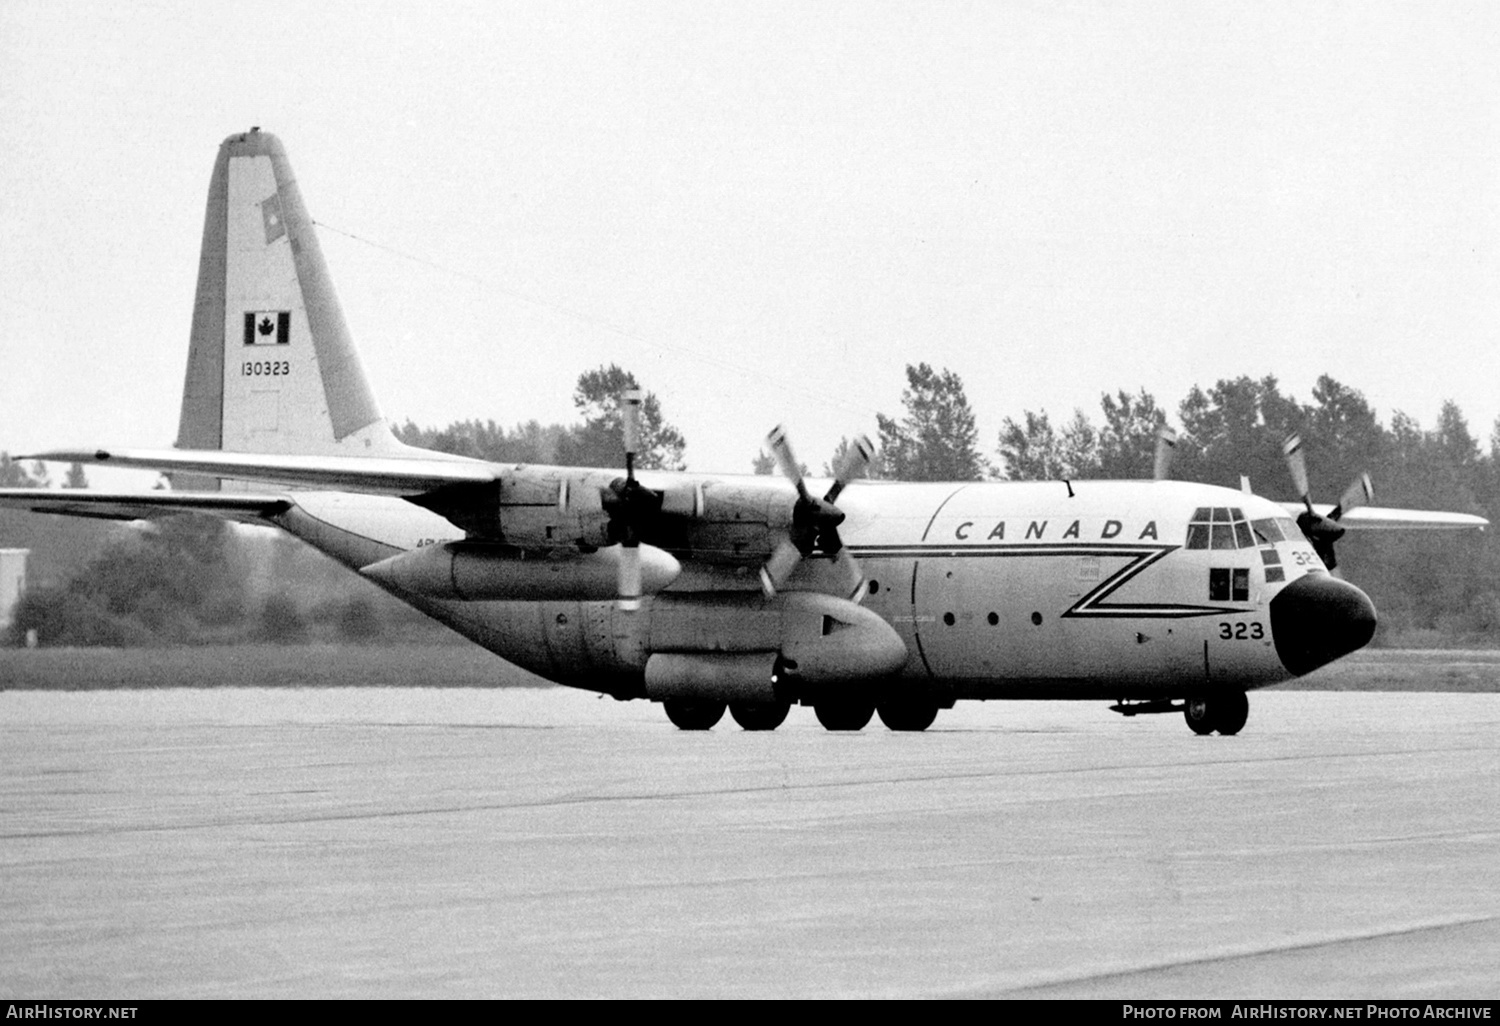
x=103, y=505
x=375, y=475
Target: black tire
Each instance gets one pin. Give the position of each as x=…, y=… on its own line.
x=844, y=714
x=907, y=714
x=759, y=715
x=1230, y=713
x=693, y=713
x=1200, y=714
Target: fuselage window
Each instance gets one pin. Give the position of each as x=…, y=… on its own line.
x=1226, y=584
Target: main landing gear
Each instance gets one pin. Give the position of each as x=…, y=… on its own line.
x=844, y=713
x=694, y=713
x=841, y=714
x=759, y=715
x=907, y=713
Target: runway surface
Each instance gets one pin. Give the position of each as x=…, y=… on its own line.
x=395, y=842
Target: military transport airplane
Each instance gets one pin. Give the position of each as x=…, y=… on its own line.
x=707, y=591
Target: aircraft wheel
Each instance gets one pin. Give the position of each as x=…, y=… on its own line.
x=759, y=715
x=1230, y=713
x=693, y=713
x=844, y=714
x=1199, y=713
x=907, y=714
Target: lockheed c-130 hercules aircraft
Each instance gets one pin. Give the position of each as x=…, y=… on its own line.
x=707, y=591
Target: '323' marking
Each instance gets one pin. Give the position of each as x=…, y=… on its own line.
x=1242, y=631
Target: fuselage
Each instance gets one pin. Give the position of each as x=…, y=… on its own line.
x=1087, y=589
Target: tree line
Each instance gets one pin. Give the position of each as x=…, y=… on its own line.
x=1430, y=587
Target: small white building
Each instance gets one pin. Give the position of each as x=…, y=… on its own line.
x=12, y=581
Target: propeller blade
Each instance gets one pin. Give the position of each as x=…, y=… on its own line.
x=1357, y=494
x=850, y=466
x=1166, y=444
x=851, y=577
x=630, y=422
x=629, y=580
x=634, y=501
x=1297, y=464
x=781, y=449
x=784, y=559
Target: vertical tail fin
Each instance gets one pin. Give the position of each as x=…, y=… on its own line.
x=271, y=367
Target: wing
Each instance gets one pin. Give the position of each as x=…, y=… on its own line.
x=377, y=475
x=103, y=505
x=1376, y=518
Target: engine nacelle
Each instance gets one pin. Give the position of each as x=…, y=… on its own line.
x=480, y=571
x=548, y=507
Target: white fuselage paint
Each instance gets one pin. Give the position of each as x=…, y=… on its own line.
x=998, y=590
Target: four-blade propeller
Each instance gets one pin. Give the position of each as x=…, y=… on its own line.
x=815, y=521
x=631, y=505
x=1320, y=530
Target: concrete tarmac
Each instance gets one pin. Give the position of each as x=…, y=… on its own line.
x=392, y=842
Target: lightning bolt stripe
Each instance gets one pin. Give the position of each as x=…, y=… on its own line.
x=1093, y=604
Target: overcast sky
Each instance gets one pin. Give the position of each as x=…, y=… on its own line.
x=766, y=210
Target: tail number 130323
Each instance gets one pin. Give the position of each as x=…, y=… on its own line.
x=265, y=368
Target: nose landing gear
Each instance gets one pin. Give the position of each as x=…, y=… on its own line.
x=1225, y=713
x=1222, y=711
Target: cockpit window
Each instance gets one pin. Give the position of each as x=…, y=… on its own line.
x=1224, y=527
x=1267, y=531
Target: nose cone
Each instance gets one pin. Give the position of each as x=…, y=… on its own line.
x=1317, y=618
